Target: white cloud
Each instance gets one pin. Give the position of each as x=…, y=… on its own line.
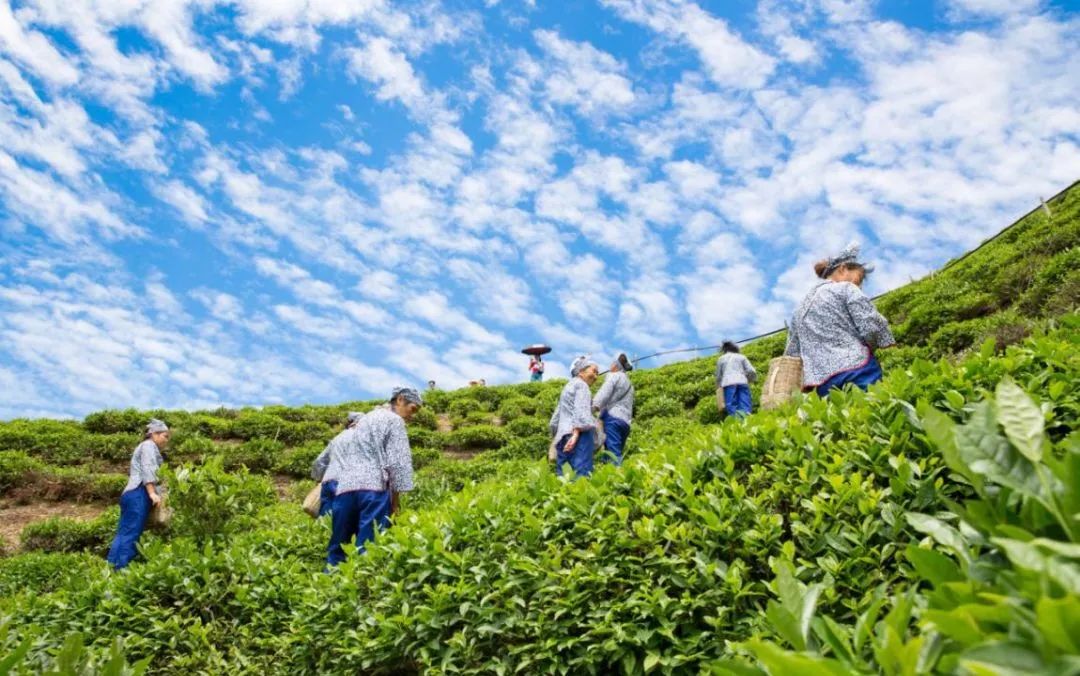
x=728, y=59
x=581, y=75
x=379, y=62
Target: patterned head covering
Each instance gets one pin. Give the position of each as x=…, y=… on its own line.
x=849, y=256
x=353, y=418
x=580, y=364
x=155, y=426
x=410, y=394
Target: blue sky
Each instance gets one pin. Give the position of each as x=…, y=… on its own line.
x=263, y=201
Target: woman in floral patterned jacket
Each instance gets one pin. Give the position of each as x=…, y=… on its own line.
x=836, y=329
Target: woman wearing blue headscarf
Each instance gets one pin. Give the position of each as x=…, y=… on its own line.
x=140, y=494
x=572, y=425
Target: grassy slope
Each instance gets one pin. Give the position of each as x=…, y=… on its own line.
x=999, y=292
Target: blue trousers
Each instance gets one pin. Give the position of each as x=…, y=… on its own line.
x=580, y=458
x=616, y=430
x=326, y=497
x=862, y=377
x=536, y=377
x=356, y=514
x=737, y=400
x=134, y=508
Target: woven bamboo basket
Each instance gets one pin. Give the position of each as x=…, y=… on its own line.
x=784, y=380
x=312, y=500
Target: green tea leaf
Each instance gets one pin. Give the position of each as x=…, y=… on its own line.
x=1059, y=622
x=933, y=566
x=779, y=661
x=988, y=453
x=1021, y=419
x=941, y=532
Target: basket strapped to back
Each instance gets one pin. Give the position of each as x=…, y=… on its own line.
x=784, y=379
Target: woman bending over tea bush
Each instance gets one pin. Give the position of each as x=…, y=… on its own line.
x=140, y=494
x=836, y=328
x=572, y=425
x=371, y=467
x=318, y=468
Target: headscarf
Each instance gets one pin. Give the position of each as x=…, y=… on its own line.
x=409, y=393
x=155, y=426
x=849, y=256
x=353, y=418
x=624, y=363
x=580, y=364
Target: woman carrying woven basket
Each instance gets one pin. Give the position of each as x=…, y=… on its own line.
x=140, y=494
x=372, y=467
x=836, y=329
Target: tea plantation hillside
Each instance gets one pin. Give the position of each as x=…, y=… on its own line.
x=929, y=525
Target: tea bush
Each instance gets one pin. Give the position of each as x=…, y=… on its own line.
x=60, y=534
x=658, y=407
x=39, y=573
x=209, y=502
x=297, y=462
x=425, y=419
x=257, y=455
x=422, y=457
x=15, y=466
x=114, y=421
x=531, y=447
x=476, y=437
x=193, y=446
x=524, y=427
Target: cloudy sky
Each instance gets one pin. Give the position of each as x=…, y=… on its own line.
x=260, y=201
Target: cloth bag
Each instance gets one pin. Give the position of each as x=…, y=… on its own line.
x=720, y=403
x=312, y=501
x=785, y=378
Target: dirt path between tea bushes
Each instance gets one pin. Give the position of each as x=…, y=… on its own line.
x=443, y=424
x=13, y=518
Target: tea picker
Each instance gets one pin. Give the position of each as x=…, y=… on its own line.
x=836, y=329
x=536, y=362
x=141, y=495
x=572, y=425
x=615, y=402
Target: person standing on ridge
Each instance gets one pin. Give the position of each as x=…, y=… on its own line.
x=318, y=468
x=572, y=424
x=140, y=494
x=734, y=373
x=836, y=329
x=615, y=401
x=372, y=467
x=536, y=368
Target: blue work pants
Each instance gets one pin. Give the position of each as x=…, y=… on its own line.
x=356, y=515
x=135, y=506
x=737, y=400
x=862, y=377
x=616, y=430
x=580, y=458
